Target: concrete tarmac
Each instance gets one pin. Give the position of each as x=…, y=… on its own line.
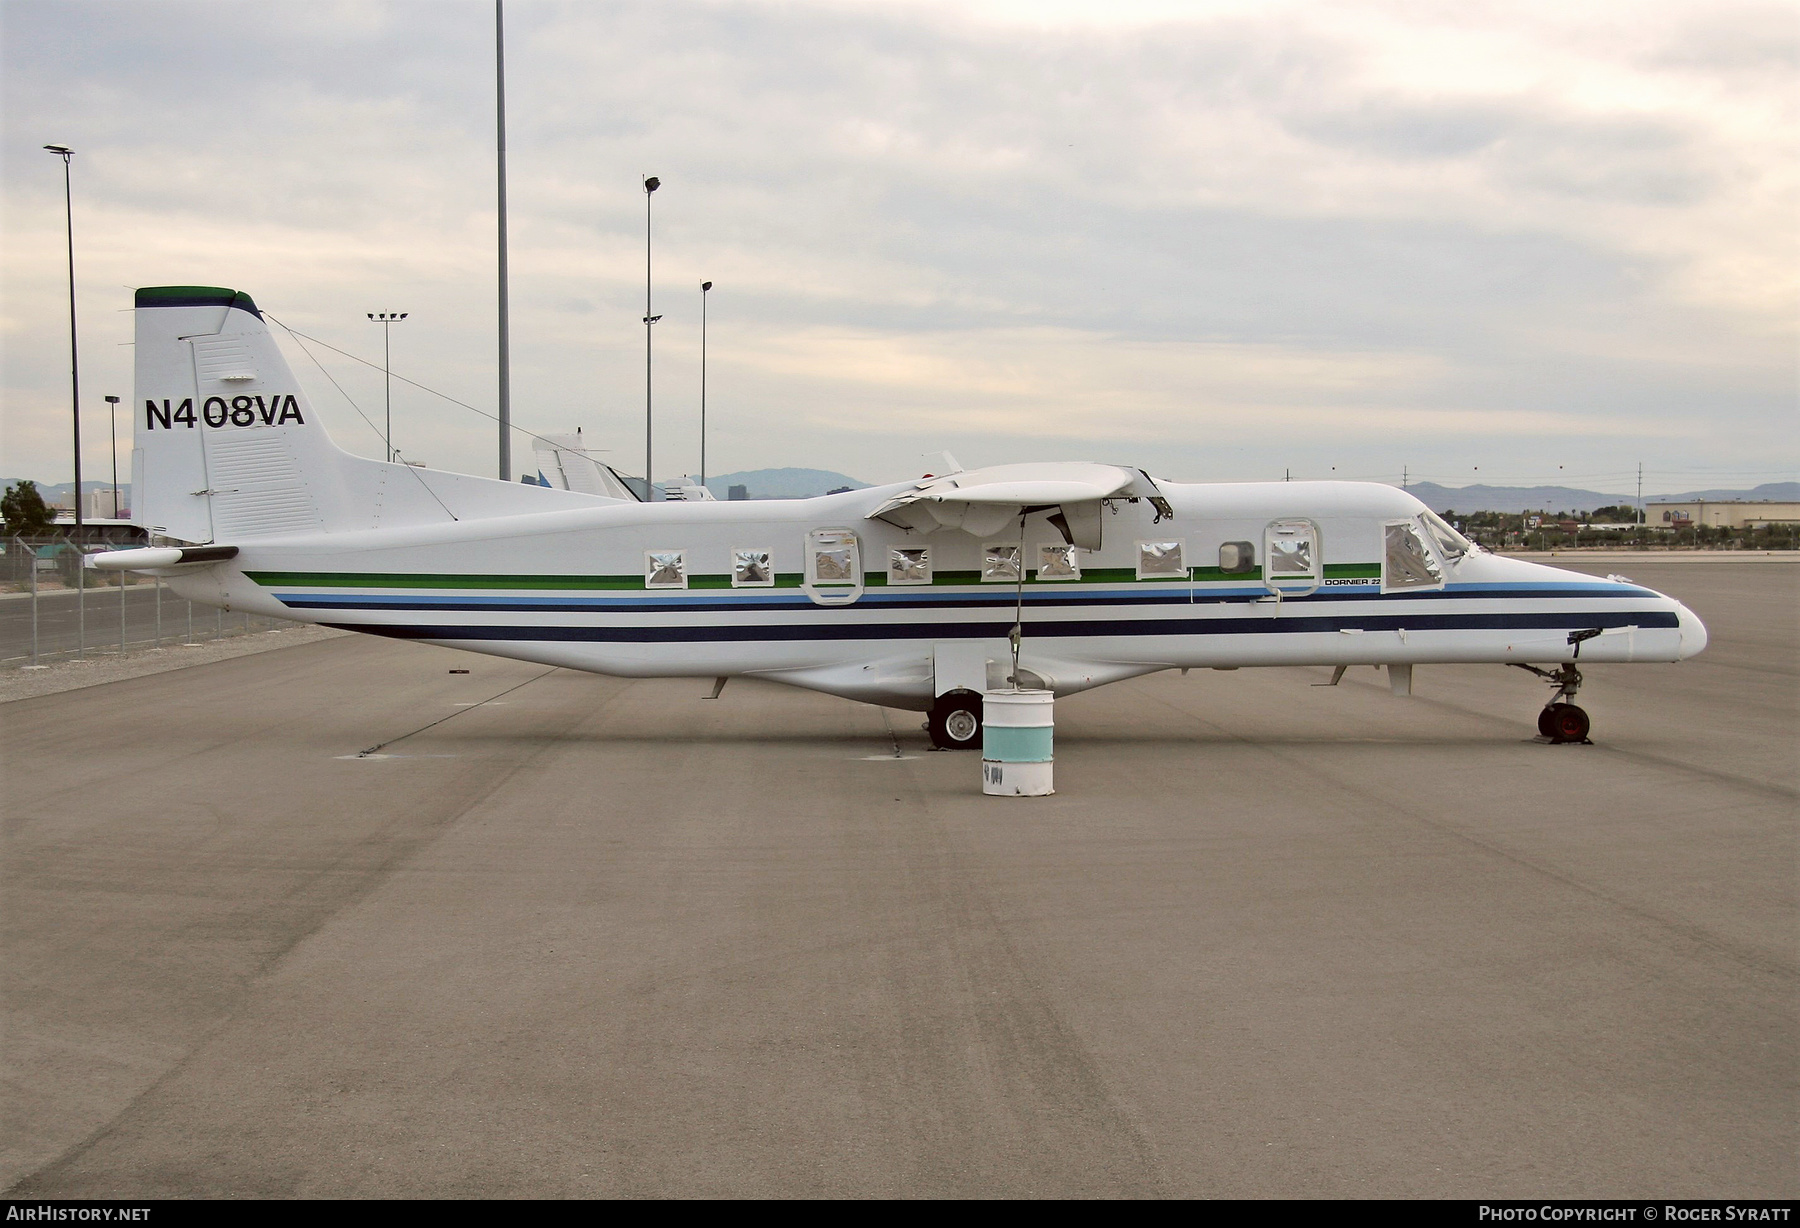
x=575, y=936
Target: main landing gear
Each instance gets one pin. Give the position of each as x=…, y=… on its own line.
x=1561, y=721
x=955, y=721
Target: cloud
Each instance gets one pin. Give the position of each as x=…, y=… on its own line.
x=1504, y=229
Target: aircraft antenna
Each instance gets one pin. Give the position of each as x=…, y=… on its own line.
x=299, y=336
x=417, y=476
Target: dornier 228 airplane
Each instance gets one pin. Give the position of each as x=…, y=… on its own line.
x=918, y=595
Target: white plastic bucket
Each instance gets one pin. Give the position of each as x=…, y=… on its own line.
x=1018, y=747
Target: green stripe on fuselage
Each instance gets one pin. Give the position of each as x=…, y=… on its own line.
x=399, y=579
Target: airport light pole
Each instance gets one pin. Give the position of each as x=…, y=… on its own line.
x=65, y=153
x=505, y=356
x=112, y=430
x=387, y=319
x=704, y=287
x=112, y=405
x=651, y=183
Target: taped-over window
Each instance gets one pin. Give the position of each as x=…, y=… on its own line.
x=1405, y=563
x=1160, y=561
x=1000, y=564
x=909, y=565
x=665, y=569
x=1058, y=562
x=833, y=567
x=1291, y=556
x=752, y=569
x=833, y=557
x=1451, y=544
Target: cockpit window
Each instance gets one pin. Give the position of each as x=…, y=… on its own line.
x=1406, y=563
x=1451, y=544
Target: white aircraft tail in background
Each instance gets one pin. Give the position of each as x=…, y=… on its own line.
x=565, y=463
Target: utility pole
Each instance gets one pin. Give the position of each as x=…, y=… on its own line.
x=65, y=153
x=387, y=319
x=506, y=474
x=651, y=183
x=1640, y=498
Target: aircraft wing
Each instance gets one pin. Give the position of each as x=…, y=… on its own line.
x=983, y=501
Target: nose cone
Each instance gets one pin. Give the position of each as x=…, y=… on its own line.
x=1693, y=631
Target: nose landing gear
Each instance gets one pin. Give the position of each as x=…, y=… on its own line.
x=1561, y=721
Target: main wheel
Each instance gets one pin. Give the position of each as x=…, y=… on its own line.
x=1568, y=723
x=1545, y=716
x=955, y=721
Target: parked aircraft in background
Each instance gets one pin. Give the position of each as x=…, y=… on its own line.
x=920, y=594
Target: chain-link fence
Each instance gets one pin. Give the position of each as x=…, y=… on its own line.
x=54, y=609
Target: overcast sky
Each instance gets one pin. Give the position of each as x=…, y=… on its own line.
x=1504, y=242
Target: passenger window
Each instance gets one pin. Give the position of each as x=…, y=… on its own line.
x=1291, y=556
x=833, y=557
x=1160, y=561
x=1235, y=558
x=752, y=569
x=665, y=569
x=909, y=565
x=833, y=567
x=1058, y=562
x=1000, y=563
x=1405, y=561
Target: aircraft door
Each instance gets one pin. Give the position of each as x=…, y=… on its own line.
x=834, y=574
x=1292, y=558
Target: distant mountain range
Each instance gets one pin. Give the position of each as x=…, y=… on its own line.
x=806, y=483
x=1571, y=499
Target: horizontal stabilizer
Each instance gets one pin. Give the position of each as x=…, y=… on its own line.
x=157, y=558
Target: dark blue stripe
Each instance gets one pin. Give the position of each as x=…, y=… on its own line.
x=1565, y=621
x=705, y=605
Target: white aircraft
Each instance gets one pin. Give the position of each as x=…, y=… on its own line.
x=919, y=595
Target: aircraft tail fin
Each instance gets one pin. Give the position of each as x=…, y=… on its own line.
x=228, y=447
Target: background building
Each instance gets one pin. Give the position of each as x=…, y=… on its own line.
x=1721, y=513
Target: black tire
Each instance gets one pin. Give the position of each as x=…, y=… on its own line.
x=1568, y=724
x=955, y=721
x=1544, y=718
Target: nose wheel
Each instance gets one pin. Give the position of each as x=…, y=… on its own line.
x=1561, y=721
